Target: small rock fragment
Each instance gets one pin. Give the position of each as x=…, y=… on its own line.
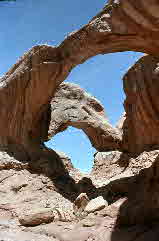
x=88, y=222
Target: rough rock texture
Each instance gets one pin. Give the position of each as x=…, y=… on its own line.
x=109, y=164
x=80, y=203
x=35, y=178
x=35, y=205
x=137, y=182
x=72, y=106
x=96, y=204
x=28, y=87
x=37, y=217
x=119, y=124
x=31, y=83
x=141, y=86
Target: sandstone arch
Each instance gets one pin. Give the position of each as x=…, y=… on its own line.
x=31, y=83
x=72, y=106
x=27, y=90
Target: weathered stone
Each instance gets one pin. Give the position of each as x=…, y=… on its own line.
x=80, y=203
x=31, y=83
x=36, y=217
x=51, y=163
x=109, y=164
x=9, y=162
x=113, y=209
x=62, y=215
x=120, y=122
x=142, y=198
x=96, y=204
x=88, y=223
x=141, y=86
x=29, y=87
x=143, y=161
x=72, y=106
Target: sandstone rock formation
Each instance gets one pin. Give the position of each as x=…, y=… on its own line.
x=72, y=106
x=110, y=164
x=37, y=198
x=34, y=180
x=32, y=82
x=140, y=128
x=120, y=122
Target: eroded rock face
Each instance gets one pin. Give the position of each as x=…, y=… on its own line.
x=107, y=165
x=33, y=199
x=142, y=203
x=32, y=82
x=122, y=25
x=25, y=114
x=141, y=86
x=137, y=182
x=120, y=122
x=72, y=106
x=25, y=117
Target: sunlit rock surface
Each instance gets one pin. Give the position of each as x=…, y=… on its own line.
x=35, y=178
x=141, y=86
x=72, y=106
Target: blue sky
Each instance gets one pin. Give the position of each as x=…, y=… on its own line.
x=25, y=23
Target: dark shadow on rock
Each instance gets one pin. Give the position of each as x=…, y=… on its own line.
x=138, y=211
x=57, y=169
x=136, y=233
x=138, y=216
x=124, y=160
x=52, y=165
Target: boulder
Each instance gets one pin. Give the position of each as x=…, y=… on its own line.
x=80, y=203
x=36, y=217
x=96, y=204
